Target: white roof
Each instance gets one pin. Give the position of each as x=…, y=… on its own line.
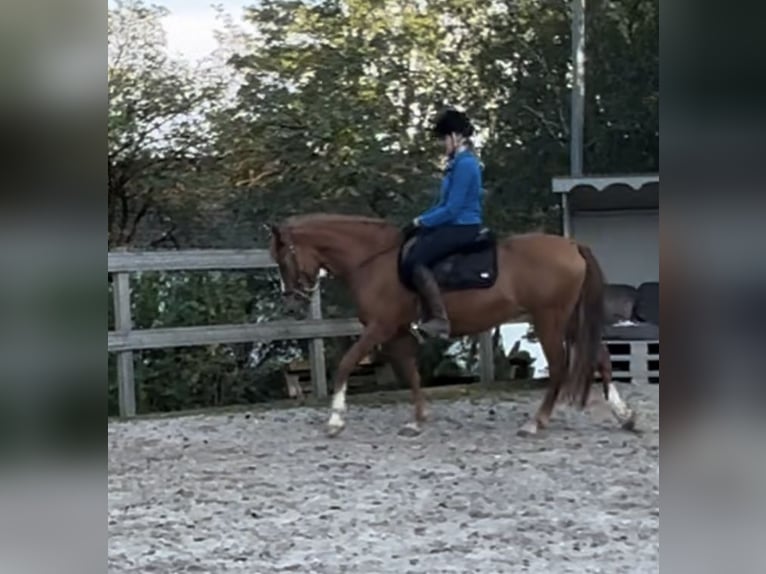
x=565, y=184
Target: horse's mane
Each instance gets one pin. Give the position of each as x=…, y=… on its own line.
x=330, y=218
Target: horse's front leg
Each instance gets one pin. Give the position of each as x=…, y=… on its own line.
x=371, y=336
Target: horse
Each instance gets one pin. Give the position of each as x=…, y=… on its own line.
x=552, y=281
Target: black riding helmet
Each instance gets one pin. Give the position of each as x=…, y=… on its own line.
x=452, y=121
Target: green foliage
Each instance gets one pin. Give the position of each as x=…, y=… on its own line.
x=622, y=117
x=155, y=137
x=175, y=379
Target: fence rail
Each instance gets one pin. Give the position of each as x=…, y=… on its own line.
x=124, y=340
x=189, y=260
x=118, y=341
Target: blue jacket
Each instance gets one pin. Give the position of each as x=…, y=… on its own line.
x=460, y=199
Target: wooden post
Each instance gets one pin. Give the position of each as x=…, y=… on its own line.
x=639, y=362
x=486, y=358
x=123, y=323
x=316, y=350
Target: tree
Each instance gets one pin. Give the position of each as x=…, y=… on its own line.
x=156, y=139
x=337, y=99
x=622, y=115
x=526, y=58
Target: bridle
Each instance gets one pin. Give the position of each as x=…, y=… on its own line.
x=302, y=290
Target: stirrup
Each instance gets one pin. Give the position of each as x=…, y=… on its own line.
x=415, y=331
x=444, y=335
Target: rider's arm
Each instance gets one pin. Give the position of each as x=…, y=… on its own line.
x=462, y=177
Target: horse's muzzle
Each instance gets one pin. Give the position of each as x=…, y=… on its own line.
x=294, y=304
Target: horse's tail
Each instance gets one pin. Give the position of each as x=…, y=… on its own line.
x=584, y=331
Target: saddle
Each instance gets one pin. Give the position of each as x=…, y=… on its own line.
x=473, y=266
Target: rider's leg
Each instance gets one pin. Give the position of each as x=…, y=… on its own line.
x=432, y=246
x=420, y=278
x=437, y=323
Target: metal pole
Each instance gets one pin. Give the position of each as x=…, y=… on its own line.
x=578, y=88
x=566, y=216
x=578, y=108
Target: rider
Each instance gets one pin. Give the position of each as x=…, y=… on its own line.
x=452, y=222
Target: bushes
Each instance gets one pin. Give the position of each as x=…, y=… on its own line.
x=215, y=375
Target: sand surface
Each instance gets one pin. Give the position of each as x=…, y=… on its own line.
x=267, y=492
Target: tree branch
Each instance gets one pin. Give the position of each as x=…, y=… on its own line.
x=140, y=214
x=547, y=124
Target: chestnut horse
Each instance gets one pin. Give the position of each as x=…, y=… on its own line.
x=554, y=282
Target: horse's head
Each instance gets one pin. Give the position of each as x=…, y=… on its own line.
x=298, y=266
x=303, y=245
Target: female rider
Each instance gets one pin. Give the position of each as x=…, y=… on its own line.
x=454, y=221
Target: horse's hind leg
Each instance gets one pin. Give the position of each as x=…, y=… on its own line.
x=402, y=352
x=550, y=332
x=604, y=368
x=621, y=411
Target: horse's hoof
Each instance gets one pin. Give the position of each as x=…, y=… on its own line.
x=334, y=429
x=529, y=429
x=410, y=430
x=630, y=423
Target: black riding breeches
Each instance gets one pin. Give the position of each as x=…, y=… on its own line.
x=432, y=244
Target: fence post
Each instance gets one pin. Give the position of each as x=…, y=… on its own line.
x=316, y=349
x=486, y=358
x=639, y=362
x=123, y=322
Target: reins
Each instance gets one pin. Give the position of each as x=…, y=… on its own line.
x=377, y=254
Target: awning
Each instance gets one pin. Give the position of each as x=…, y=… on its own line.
x=612, y=192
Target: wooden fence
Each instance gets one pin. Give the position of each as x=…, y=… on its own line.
x=634, y=361
x=124, y=340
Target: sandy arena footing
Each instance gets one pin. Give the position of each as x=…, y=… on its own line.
x=268, y=492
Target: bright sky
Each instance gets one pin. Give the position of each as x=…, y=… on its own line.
x=191, y=24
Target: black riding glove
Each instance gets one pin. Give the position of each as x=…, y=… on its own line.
x=410, y=228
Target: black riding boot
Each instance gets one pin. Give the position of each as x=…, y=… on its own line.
x=437, y=324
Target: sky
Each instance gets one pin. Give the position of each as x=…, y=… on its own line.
x=191, y=23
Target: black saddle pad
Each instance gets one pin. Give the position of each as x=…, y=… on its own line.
x=473, y=266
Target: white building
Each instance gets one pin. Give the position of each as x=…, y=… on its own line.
x=618, y=217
